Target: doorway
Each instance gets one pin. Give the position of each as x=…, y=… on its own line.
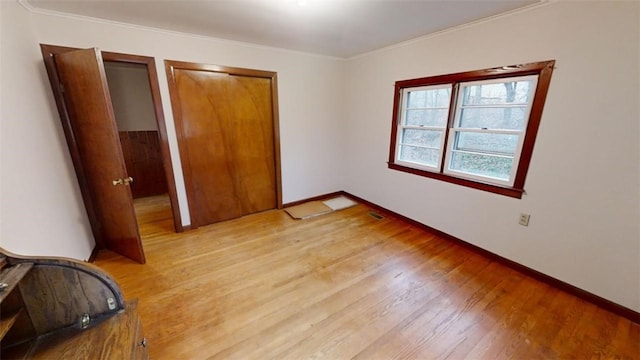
x=137, y=125
x=145, y=65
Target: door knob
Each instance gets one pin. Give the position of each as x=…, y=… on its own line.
x=125, y=181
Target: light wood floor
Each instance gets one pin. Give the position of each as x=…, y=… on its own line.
x=346, y=285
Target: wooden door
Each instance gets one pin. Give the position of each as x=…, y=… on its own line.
x=88, y=105
x=226, y=131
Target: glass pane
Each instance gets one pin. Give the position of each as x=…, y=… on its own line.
x=430, y=157
x=428, y=98
x=508, y=92
x=482, y=165
x=429, y=117
x=486, y=142
x=431, y=138
x=511, y=118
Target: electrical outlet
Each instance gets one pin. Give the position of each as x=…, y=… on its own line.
x=524, y=219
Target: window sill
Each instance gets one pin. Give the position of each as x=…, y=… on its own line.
x=506, y=191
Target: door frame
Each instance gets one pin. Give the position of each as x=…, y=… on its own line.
x=150, y=63
x=48, y=52
x=170, y=66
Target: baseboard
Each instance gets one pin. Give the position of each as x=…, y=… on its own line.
x=93, y=255
x=315, y=198
x=566, y=287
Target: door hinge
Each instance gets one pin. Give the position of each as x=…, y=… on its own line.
x=61, y=87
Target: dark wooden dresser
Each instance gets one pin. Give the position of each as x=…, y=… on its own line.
x=57, y=308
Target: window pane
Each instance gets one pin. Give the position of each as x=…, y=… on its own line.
x=505, y=144
x=511, y=118
x=508, y=92
x=482, y=165
x=428, y=117
x=430, y=138
x=428, y=98
x=475, y=125
x=430, y=157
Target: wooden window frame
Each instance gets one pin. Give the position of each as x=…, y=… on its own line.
x=543, y=70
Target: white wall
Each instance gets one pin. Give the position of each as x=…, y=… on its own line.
x=583, y=183
x=42, y=211
x=130, y=94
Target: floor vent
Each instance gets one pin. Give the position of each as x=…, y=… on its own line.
x=376, y=215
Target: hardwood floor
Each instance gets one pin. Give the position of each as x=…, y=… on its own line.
x=347, y=285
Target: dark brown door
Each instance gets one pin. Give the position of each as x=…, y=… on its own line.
x=226, y=133
x=82, y=76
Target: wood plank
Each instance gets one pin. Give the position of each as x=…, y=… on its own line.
x=142, y=157
x=7, y=321
x=12, y=276
x=15, y=323
x=347, y=285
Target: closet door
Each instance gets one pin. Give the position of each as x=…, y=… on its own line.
x=226, y=134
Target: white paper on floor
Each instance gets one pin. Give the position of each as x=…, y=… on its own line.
x=339, y=203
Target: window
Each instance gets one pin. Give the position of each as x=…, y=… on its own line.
x=474, y=129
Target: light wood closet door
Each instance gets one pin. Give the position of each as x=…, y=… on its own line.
x=226, y=134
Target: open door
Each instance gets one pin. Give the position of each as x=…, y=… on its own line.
x=93, y=128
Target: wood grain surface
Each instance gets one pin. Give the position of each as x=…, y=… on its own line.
x=116, y=337
x=347, y=285
x=143, y=159
x=57, y=296
x=92, y=119
x=46, y=298
x=227, y=133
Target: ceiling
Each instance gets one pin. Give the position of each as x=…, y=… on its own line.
x=338, y=28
